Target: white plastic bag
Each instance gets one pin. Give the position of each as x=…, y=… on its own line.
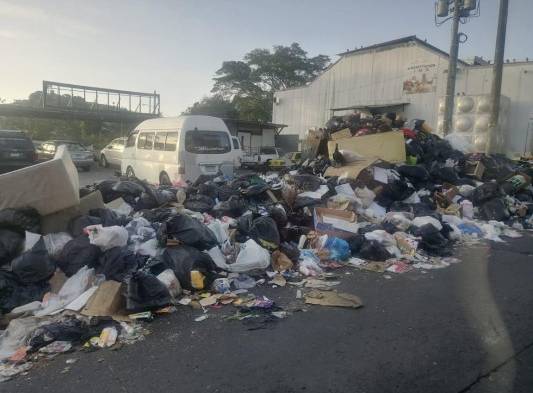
x=168, y=278
x=149, y=248
x=308, y=264
x=218, y=257
x=399, y=220
x=365, y=195
x=107, y=237
x=220, y=229
x=251, y=256
x=55, y=242
x=71, y=290
x=459, y=142
x=30, y=240
x=421, y=221
x=15, y=335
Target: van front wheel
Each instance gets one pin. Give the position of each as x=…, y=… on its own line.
x=164, y=179
x=130, y=172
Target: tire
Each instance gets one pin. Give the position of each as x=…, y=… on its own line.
x=103, y=162
x=164, y=179
x=130, y=172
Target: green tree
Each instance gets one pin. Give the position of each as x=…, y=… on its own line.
x=249, y=85
x=215, y=105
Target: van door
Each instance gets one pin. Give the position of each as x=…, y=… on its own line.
x=204, y=152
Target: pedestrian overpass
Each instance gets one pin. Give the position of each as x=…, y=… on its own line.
x=77, y=102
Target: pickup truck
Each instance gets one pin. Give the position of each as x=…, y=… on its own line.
x=263, y=158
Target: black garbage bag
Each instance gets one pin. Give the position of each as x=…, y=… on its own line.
x=119, y=262
x=77, y=253
x=108, y=217
x=433, y=241
x=356, y=243
x=152, y=198
x=77, y=224
x=494, y=209
x=128, y=187
x=34, y=265
x=307, y=182
x=203, y=179
x=199, y=203
x=208, y=189
x=265, y=232
x=232, y=207
x=191, y=232
x=415, y=173
x=244, y=223
x=374, y=251
x=279, y=215
x=106, y=189
x=394, y=191
x=144, y=291
x=225, y=192
x=157, y=215
x=21, y=220
x=184, y=259
x=11, y=245
x=291, y=250
x=444, y=173
x=485, y=192
x=14, y=293
x=68, y=329
x=302, y=202
x=255, y=189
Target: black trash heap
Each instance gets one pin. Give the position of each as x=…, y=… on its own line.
x=152, y=250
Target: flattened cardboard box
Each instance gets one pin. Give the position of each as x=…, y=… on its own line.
x=389, y=146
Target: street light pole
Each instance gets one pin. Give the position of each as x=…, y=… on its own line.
x=452, y=68
x=497, y=75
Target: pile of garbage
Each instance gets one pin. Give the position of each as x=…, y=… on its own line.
x=143, y=250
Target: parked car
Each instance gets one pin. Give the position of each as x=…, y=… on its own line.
x=80, y=154
x=175, y=149
x=112, y=153
x=16, y=150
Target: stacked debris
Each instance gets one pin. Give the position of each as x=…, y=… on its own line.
x=130, y=251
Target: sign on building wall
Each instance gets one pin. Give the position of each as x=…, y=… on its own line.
x=421, y=78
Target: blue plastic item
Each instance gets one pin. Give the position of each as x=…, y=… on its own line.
x=339, y=249
x=470, y=229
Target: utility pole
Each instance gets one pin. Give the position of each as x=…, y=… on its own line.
x=461, y=11
x=497, y=76
x=452, y=68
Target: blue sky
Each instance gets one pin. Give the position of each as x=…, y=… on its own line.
x=175, y=47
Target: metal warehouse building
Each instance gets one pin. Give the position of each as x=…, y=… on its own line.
x=407, y=75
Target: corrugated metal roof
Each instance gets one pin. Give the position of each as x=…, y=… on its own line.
x=403, y=40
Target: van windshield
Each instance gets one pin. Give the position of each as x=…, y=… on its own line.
x=207, y=142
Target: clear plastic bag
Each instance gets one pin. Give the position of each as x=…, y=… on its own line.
x=107, y=237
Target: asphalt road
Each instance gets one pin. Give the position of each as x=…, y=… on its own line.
x=96, y=174
x=466, y=328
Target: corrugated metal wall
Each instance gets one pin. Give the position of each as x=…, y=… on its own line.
x=377, y=77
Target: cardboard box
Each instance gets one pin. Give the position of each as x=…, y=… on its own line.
x=107, y=301
x=48, y=187
x=333, y=222
x=350, y=171
x=58, y=221
x=344, y=133
x=389, y=146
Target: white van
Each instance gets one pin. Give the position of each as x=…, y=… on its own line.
x=237, y=152
x=175, y=149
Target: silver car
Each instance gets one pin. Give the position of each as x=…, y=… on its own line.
x=112, y=153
